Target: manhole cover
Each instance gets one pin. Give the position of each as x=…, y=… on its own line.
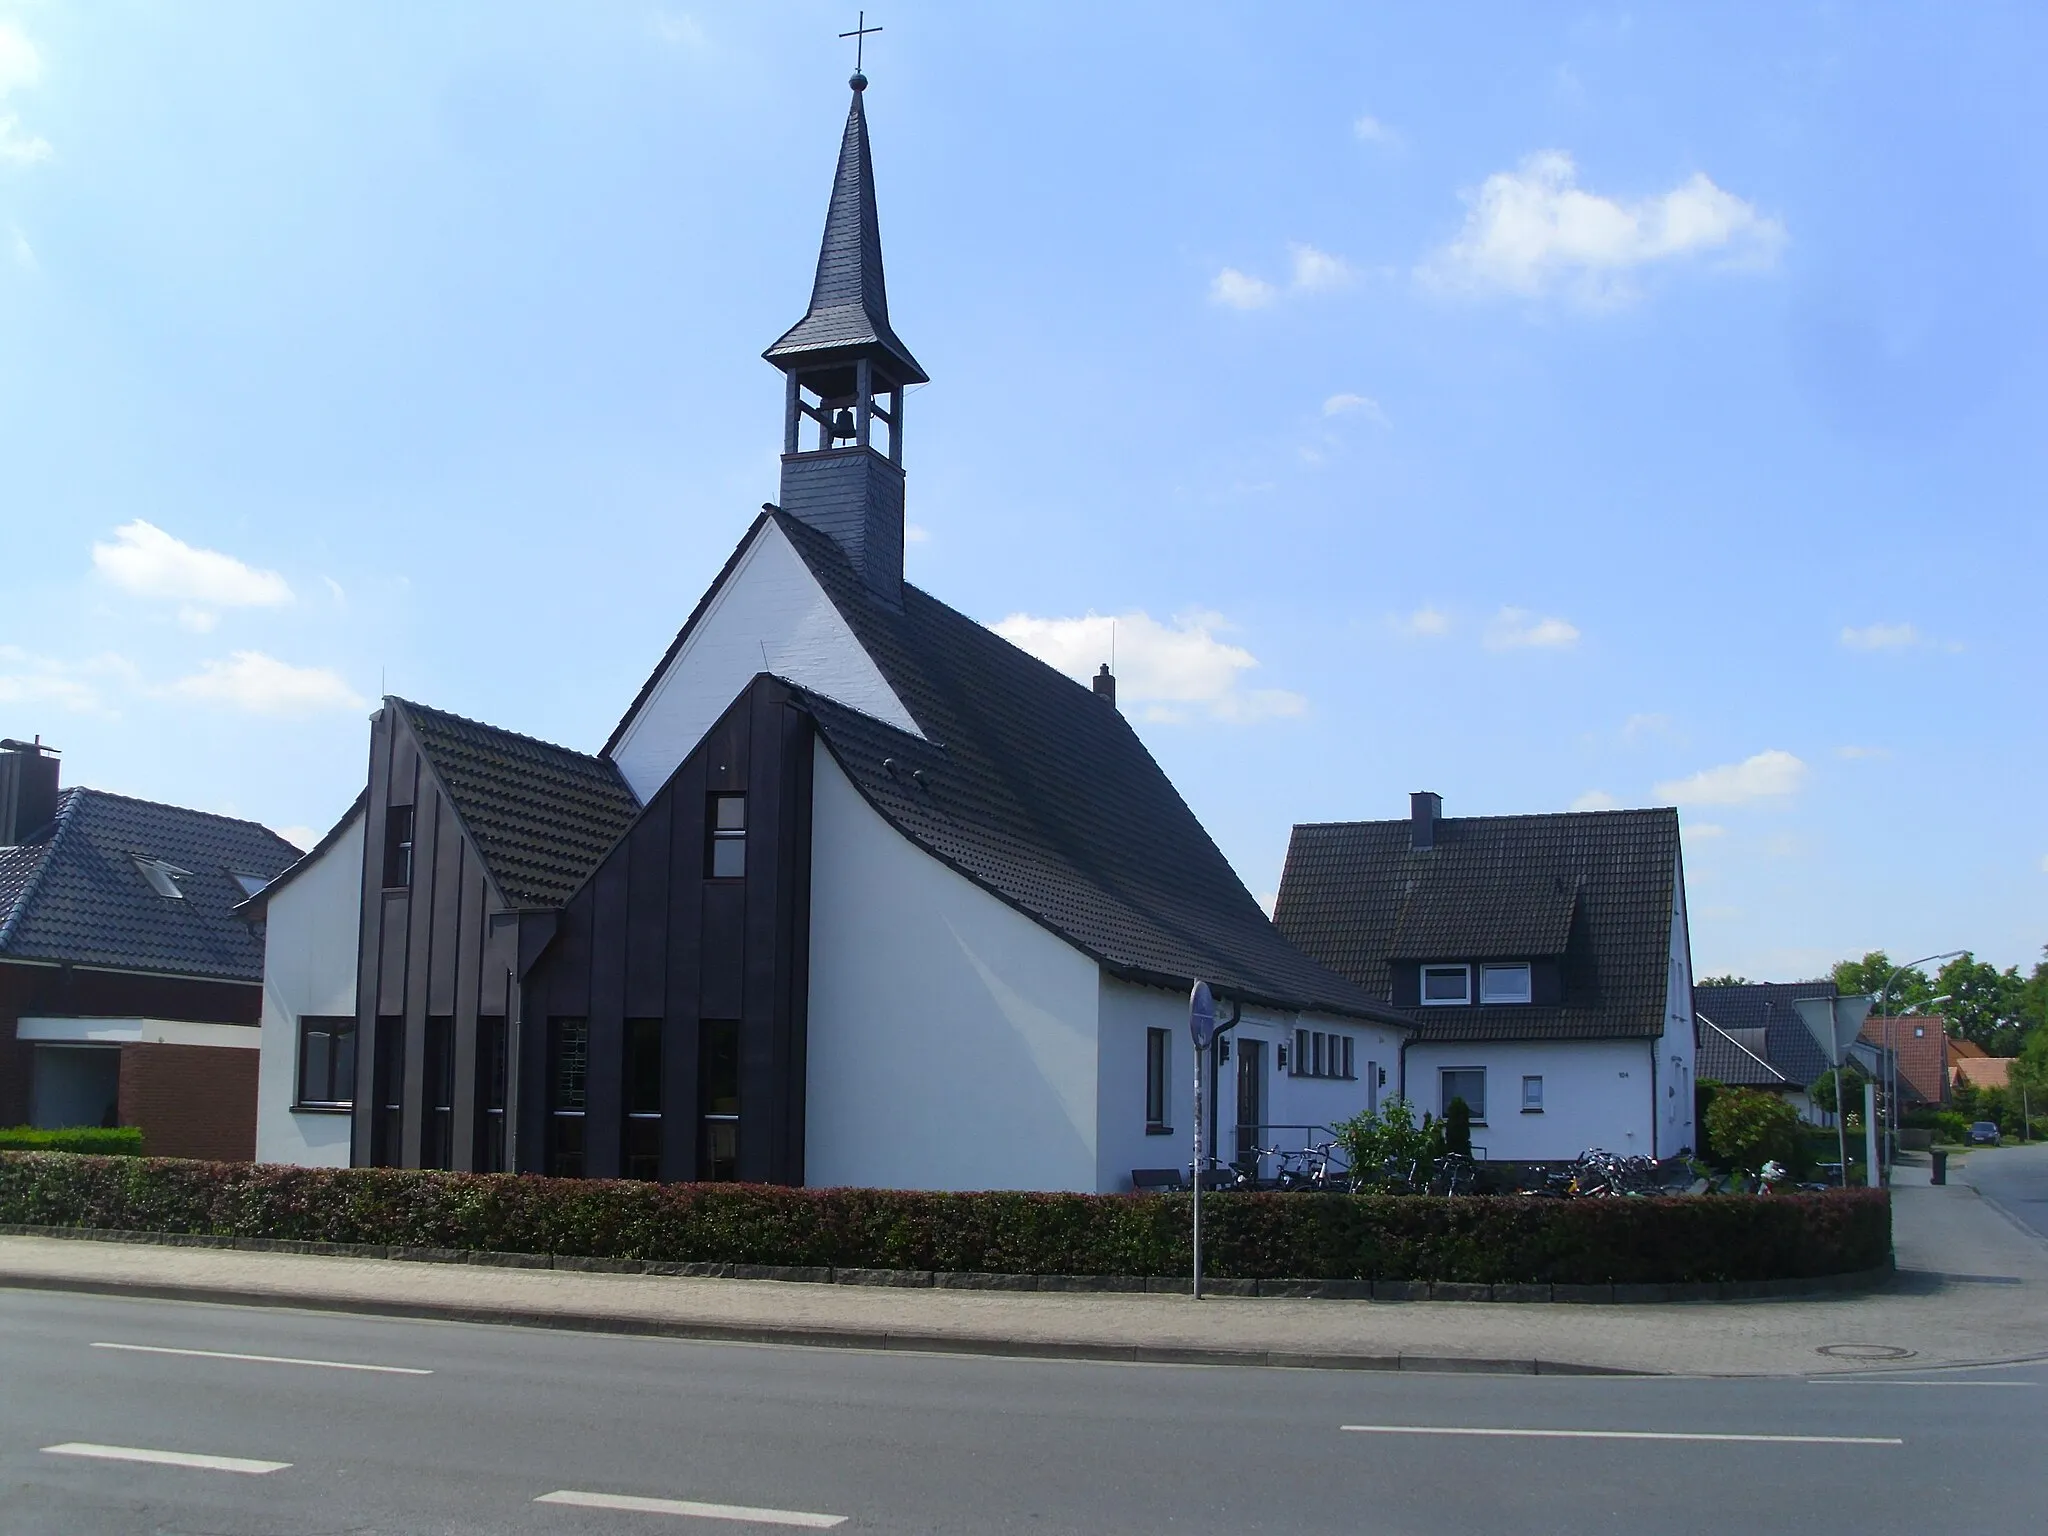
x=1864, y=1351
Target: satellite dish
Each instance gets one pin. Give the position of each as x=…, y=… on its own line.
x=1201, y=1016
x=1834, y=1022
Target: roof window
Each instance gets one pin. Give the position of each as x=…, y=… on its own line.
x=251, y=885
x=162, y=875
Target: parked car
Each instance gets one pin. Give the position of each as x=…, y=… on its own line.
x=1984, y=1133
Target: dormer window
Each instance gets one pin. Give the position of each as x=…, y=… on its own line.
x=251, y=885
x=163, y=876
x=1504, y=983
x=1446, y=985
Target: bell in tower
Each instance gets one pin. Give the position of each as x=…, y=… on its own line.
x=846, y=373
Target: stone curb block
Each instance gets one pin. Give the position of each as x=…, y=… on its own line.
x=1158, y=1285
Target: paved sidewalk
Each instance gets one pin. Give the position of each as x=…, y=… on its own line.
x=1972, y=1289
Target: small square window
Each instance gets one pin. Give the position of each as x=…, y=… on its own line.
x=1919, y=1031
x=1504, y=984
x=1443, y=984
x=1532, y=1095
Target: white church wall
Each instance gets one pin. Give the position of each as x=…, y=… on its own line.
x=1127, y=1011
x=1596, y=1093
x=311, y=930
x=769, y=616
x=951, y=1041
x=1675, y=1060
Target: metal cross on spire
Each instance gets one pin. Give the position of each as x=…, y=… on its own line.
x=859, y=34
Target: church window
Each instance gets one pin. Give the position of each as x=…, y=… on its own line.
x=727, y=855
x=397, y=847
x=568, y=1081
x=718, y=1090
x=1158, y=1064
x=640, y=1156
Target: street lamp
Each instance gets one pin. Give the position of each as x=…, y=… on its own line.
x=1891, y=1065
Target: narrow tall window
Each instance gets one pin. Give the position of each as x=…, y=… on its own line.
x=397, y=847
x=1298, y=1062
x=718, y=1093
x=1347, y=1057
x=493, y=1078
x=568, y=1074
x=1158, y=1069
x=640, y=1152
x=726, y=851
x=437, y=1127
x=387, y=1072
x=1532, y=1095
x=327, y=1063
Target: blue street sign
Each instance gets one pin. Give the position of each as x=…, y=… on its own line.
x=1201, y=1016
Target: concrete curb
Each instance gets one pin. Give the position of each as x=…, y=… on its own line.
x=888, y=1340
x=1326, y=1290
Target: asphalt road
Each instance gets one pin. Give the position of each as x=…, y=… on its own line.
x=480, y=1425
x=2013, y=1178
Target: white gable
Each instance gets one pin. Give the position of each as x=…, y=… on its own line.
x=769, y=616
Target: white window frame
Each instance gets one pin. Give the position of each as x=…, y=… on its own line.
x=1443, y=1099
x=1532, y=1106
x=1422, y=987
x=1521, y=966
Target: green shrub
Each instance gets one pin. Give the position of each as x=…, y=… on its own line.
x=1704, y=1091
x=1485, y=1239
x=1458, y=1128
x=1946, y=1124
x=1749, y=1128
x=1373, y=1138
x=118, y=1141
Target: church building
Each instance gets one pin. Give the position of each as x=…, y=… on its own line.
x=856, y=892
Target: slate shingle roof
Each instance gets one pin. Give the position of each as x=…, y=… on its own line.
x=1592, y=887
x=78, y=896
x=1041, y=793
x=542, y=816
x=1768, y=1006
x=1722, y=1058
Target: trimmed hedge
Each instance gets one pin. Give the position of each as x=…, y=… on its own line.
x=119, y=1141
x=1481, y=1239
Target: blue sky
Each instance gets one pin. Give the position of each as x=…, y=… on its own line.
x=1545, y=407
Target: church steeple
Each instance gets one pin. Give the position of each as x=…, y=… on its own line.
x=842, y=435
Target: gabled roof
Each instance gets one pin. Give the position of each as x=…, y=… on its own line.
x=849, y=313
x=1923, y=1061
x=541, y=816
x=255, y=905
x=1769, y=1006
x=80, y=895
x=1722, y=1058
x=1592, y=888
x=1039, y=791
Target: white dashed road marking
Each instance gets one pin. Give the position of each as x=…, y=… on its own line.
x=222, y=1354
x=165, y=1458
x=691, y=1507
x=1616, y=1434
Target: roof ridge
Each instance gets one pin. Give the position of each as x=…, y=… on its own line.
x=1515, y=816
x=165, y=805
x=594, y=758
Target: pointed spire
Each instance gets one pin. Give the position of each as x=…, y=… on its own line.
x=849, y=313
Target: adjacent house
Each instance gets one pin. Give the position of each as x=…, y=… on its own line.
x=856, y=892
x=1921, y=1044
x=1542, y=962
x=130, y=986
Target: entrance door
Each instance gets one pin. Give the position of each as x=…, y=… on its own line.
x=1251, y=1098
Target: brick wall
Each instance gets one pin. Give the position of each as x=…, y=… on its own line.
x=191, y=1100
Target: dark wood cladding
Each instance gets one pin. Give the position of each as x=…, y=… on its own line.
x=650, y=936
x=429, y=948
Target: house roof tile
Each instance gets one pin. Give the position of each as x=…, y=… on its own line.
x=1769, y=1006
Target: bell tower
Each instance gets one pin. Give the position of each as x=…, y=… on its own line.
x=845, y=376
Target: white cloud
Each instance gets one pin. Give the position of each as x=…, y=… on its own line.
x=26, y=678
x=1764, y=776
x=1853, y=753
x=1530, y=230
x=916, y=533
x=1518, y=629
x=148, y=562
x=2044, y=863
x=1703, y=831
x=1239, y=290
x=678, y=28
x=1360, y=405
x=1315, y=271
x=1596, y=800
x=1640, y=727
x=1880, y=637
x=263, y=685
x=1173, y=672
x=1370, y=130
x=21, y=66
x=301, y=838
x=1424, y=623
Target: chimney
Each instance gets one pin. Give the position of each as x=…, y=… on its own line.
x=1105, y=685
x=1425, y=809
x=28, y=790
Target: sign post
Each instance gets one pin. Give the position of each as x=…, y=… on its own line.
x=1834, y=1022
x=1201, y=1030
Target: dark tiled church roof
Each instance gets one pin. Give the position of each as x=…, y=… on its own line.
x=1769, y=1006
x=1039, y=791
x=1722, y=1058
x=1593, y=888
x=79, y=895
x=542, y=816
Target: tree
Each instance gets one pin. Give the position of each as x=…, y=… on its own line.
x=1909, y=990
x=1373, y=1139
x=1458, y=1128
x=1749, y=1128
x=2033, y=1003
x=1728, y=979
x=1984, y=1003
x=1823, y=1090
